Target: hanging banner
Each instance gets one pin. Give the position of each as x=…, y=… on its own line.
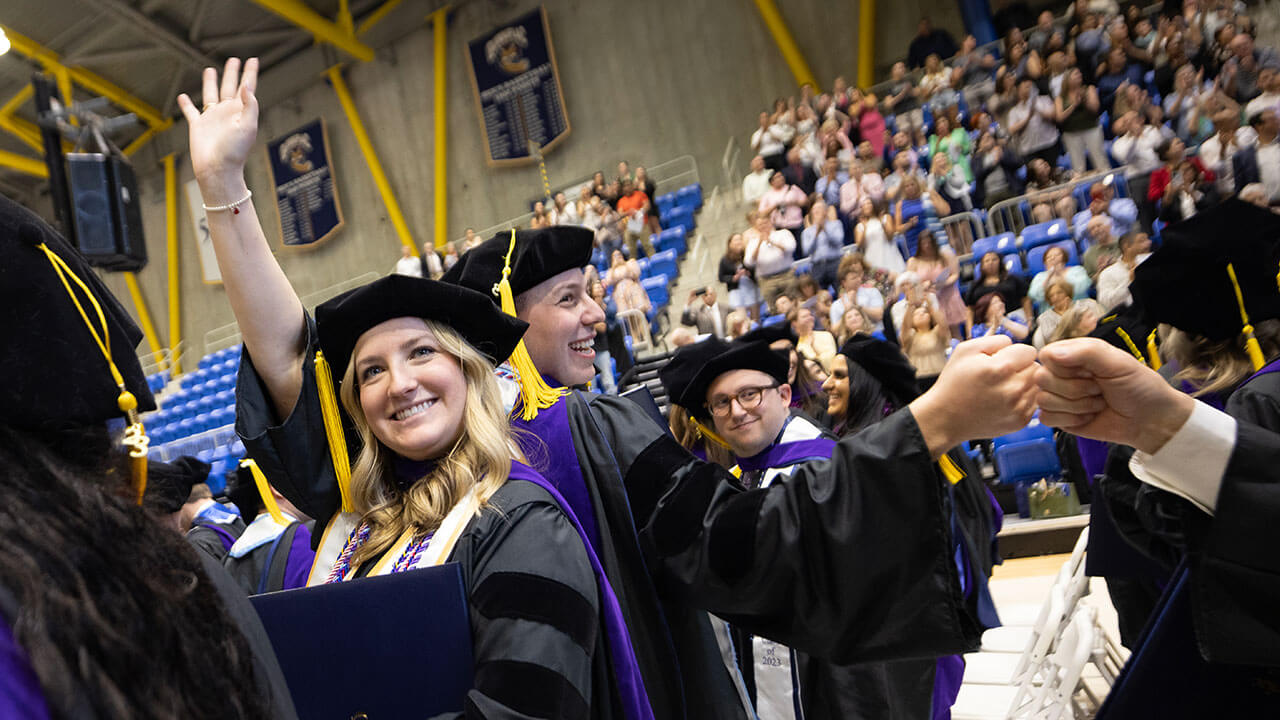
x=302, y=175
x=200, y=228
x=517, y=90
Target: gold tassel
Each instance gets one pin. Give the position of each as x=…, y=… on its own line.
x=135, y=435
x=950, y=470
x=1133, y=347
x=268, y=499
x=333, y=431
x=535, y=393
x=1153, y=351
x=709, y=434
x=1251, y=345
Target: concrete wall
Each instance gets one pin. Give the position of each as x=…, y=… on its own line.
x=647, y=82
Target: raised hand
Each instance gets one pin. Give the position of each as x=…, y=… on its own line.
x=223, y=131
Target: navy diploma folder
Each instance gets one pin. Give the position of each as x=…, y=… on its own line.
x=386, y=647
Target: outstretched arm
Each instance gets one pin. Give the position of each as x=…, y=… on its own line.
x=271, y=318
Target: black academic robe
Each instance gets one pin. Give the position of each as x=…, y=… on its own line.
x=814, y=572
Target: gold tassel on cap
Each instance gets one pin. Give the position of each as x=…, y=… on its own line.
x=1153, y=351
x=135, y=435
x=1129, y=343
x=264, y=491
x=333, y=430
x=535, y=394
x=709, y=434
x=1251, y=345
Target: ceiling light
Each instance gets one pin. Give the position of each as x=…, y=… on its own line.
x=4, y=42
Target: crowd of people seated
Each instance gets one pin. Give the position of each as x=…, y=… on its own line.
x=849, y=190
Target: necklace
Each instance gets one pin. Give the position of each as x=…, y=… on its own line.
x=408, y=558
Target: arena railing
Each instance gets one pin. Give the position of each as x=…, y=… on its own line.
x=1006, y=215
x=962, y=243
x=229, y=335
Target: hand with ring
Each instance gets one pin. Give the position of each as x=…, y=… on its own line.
x=223, y=131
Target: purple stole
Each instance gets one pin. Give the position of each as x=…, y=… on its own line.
x=780, y=455
x=635, y=701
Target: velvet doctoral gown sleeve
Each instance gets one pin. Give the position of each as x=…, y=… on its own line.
x=292, y=453
x=535, y=613
x=850, y=560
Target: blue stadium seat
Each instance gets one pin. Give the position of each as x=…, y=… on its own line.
x=1004, y=243
x=671, y=239
x=803, y=266
x=679, y=216
x=1035, y=430
x=656, y=287
x=773, y=320
x=664, y=263
x=688, y=197
x=1013, y=263
x=1024, y=462
x=644, y=267
x=665, y=202
x=1044, y=233
x=1035, y=256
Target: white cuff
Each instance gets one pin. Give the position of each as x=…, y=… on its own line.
x=1192, y=463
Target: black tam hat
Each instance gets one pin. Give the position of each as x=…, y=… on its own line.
x=884, y=362
x=770, y=334
x=169, y=483
x=684, y=364
x=539, y=255
x=68, y=345
x=1216, y=274
x=736, y=355
x=1130, y=329
x=342, y=320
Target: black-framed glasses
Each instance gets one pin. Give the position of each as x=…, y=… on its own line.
x=748, y=398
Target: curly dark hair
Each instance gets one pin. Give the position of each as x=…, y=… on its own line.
x=113, y=609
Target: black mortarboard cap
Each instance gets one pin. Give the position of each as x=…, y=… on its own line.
x=770, y=334
x=56, y=374
x=735, y=355
x=1208, y=267
x=685, y=363
x=1130, y=329
x=169, y=483
x=884, y=362
x=538, y=256
x=342, y=320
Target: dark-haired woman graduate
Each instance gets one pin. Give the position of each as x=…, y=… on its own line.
x=105, y=611
x=436, y=475
x=871, y=379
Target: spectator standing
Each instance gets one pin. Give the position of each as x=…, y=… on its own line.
x=769, y=141
x=973, y=73
x=738, y=278
x=1077, y=110
x=1113, y=282
x=756, y=183
x=935, y=86
x=1135, y=147
x=865, y=111
x=924, y=338
x=1260, y=162
x=431, y=265
x=953, y=141
x=902, y=102
x=1118, y=72
x=860, y=185
x=797, y=172
x=784, y=205
x=829, y=185
x=1269, y=82
x=929, y=41
x=408, y=264
x=703, y=311
x=563, y=212
x=823, y=241
x=1033, y=124
x=450, y=255
x=1240, y=74
x=541, y=218
x=939, y=269
x=1104, y=250
x=995, y=172
x=769, y=254
x=857, y=291
x=812, y=344
x=1059, y=300
x=604, y=360
x=633, y=204
x=912, y=212
x=872, y=238
x=949, y=182
x=1189, y=191
x=1218, y=152
x=995, y=278
x=902, y=168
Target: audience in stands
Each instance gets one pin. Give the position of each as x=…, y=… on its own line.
x=1080, y=320
x=871, y=236
x=857, y=291
x=990, y=310
x=1104, y=250
x=994, y=278
x=408, y=264
x=812, y=343
x=1056, y=268
x=1260, y=162
x=854, y=321
x=738, y=278
x=703, y=311
x=939, y=270
x=769, y=256
x=1113, y=282
x=823, y=240
x=1059, y=299
x=929, y=41
x=756, y=183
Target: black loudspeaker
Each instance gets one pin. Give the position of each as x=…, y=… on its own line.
x=106, y=214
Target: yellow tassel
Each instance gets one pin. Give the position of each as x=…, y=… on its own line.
x=535, y=393
x=1251, y=345
x=1153, y=351
x=709, y=434
x=333, y=431
x=950, y=470
x=736, y=471
x=268, y=499
x=1133, y=347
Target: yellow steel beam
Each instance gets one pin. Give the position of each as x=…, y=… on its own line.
x=171, y=237
x=866, y=42
x=345, y=22
x=144, y=318
x=787, y=44
x=15, y=102
x=86, y=79
x=141, y=140
x=371, y=157
x=63, y=77
x=24, y=131
x=440, y=206
x=376, y=16
x=322, y=28
x=22, y=163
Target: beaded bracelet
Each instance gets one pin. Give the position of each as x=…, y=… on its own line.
x=233, y=207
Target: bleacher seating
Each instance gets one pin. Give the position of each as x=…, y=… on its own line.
x=671, y=239
x=1013, y=263
x=1035, y=256
x=1004, y=243
x=665, y=263
x=198, y=417
x=679, y=216
x=1044, y=233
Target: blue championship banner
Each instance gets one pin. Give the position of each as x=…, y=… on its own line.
x=302, y=175
x=517, y=90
